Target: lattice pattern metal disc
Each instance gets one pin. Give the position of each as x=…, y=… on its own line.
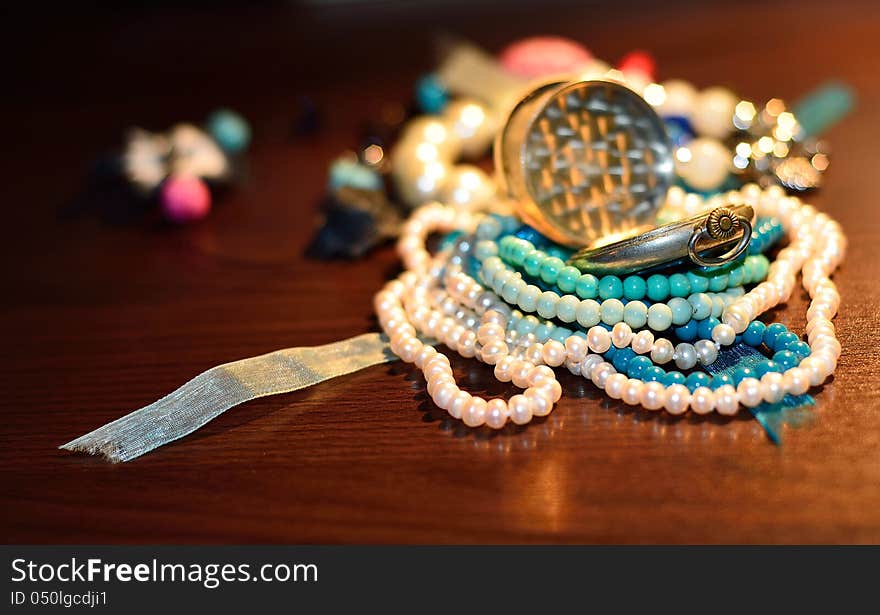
x=594, y=162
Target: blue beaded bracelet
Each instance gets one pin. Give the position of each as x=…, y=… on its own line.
x=788, y=351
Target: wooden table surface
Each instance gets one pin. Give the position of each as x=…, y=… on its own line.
x=103, y=318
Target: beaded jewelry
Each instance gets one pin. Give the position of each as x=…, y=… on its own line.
x=551, y=271
x=503, y=294
x=403, y=306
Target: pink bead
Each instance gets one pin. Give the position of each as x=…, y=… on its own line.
x=638, y=62
x=541, y=56
x=185, y=198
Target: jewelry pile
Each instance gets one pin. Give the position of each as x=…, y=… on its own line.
x=647, y=331
x=612, y=242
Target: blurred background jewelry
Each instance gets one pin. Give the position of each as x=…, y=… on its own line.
x=722, y=140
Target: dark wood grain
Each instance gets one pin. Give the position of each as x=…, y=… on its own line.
x=104, y=318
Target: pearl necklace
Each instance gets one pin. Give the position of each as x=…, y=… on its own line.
x=816, y=248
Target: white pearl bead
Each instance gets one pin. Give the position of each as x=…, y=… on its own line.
x=552, y=389
x=540, y=400
x=534, y=353
x=410, y=349
x=632, y=392
x=815, y=369
x=489, y=332
x=474, y=414
x=598, y=339
x=494, y=351
x=445, y=328
x=600, y=373
x=677, y=399
x=653, y=396
x=439, y=360
x=680, y=100
x=706, y=351
x=494, y=317
x=723, y=334
x=431, y=130
x=575, y=348
x=553, y=353
x=466, y=186
x=467, y=344
x=642, y=342
x=621, y=335
x=496, y=413
x=519, y=372
x=434, y=370
x=453, y=338
x=574, y=367
x=796, y=381
x=703, y=163
x=736, y=317
x=520, y=409
x=504, y=369
x=461, y=400
x=713, y=113
x=726, y=401
x=444, y=394
x=614, y=385
x=473, y=124
x=425, y=355
x=539, y=375
x=750, y=392
x=590, y=361
x=702, y=400
x=418, y=182
x=663, y=351
x=772, y=388
x=437, y=381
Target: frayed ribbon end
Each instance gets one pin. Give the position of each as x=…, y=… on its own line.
x=107, y=450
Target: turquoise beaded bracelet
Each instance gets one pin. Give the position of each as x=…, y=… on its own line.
x=552, y=271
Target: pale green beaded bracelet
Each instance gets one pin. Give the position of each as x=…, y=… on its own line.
x=510, y=286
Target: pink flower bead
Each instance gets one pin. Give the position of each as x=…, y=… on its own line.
x=540, y=56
